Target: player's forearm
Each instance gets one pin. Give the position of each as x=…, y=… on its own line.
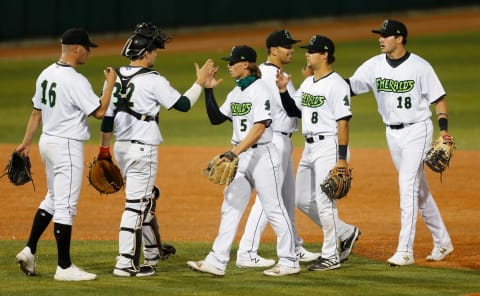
x=32, y=126
x=342, y=132
x=104, y=102
x=251, y=138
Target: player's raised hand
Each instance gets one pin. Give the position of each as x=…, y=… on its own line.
x=203, y=72
x=110, y=74
x=282, y=80
x=211, y=81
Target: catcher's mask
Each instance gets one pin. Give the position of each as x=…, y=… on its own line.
x=145, y=37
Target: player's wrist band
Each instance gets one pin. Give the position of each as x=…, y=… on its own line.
x=342, y=151
x=443, y=124
x=193, y=93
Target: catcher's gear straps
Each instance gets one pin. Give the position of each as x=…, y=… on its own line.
x=135, y=228
x=123, y=104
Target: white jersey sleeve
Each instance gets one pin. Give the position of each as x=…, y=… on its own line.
x=66, y=99
x=247, y=107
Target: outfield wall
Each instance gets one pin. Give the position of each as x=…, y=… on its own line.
x=49, y=18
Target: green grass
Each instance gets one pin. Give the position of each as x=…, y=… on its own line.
x=454, y=57
x=357, y=276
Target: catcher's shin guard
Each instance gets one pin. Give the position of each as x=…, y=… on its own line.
x=130, y=235
x=151, y=234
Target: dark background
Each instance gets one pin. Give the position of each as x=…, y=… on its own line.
x=23, y=19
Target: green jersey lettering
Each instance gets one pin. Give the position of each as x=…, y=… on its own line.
x=240, y=109
x=312, y=101
x=389, y=85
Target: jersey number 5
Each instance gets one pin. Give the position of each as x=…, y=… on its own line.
x=52, y=95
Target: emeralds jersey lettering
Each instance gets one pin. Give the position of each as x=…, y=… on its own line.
x=312, y=101
x=240, y=109
x=389, y=85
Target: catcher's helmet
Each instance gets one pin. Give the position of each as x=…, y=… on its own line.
x=145, y=37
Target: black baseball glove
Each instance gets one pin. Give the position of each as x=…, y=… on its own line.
x=166, y=251
x=18, y=169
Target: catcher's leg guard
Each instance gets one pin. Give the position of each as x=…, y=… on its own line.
x=152, y=243
x=130, y=235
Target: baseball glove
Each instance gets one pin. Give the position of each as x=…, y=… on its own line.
x=18, y=169
x=105, y=176
x=166, y=251
x=222, y=173
x=438, y=157
x=337, y=183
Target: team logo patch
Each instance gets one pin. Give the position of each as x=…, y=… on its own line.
x=389, y=85
x=240, y=109
x=312, y=101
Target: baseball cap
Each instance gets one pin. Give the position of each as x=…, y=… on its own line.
x=319, y=43
x=392, y=27
x=77, y=36
x=241, y=53
x=279, y=38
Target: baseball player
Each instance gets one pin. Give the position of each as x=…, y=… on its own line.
x=280, y=51
x=405, y=85
x=62, y=102
x=248, y=107
x=132, y=116
x=323, y=103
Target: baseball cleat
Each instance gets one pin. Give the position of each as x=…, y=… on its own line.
x=439, y=253
x=203, y=266
x=255, y=262
x=73, y=273
x=280, y=270
x=27, y=261
x=401, y=259
x=346, y=246
x=141, y=271
x=324, y=264
x=307, y=256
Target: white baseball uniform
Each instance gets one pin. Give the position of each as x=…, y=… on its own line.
x=65, y=98
x=136, y=150
x=283, y=126
x=404, y=94
x=259, y=168
x=322, y=102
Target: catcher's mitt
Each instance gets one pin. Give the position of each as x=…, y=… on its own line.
x=222, y=173
x=18, y=169
x=438, y=157
x=337, y=183
x=105, y=176
x=166, y=251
